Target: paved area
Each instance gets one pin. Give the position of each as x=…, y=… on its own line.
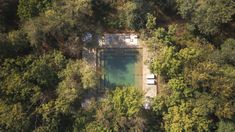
x=150, y=90
x=89, y=55
x=124, y=41
x=119, y=41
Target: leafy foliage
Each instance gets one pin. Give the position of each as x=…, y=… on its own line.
x=151, y=21
x=228, y=51
x=27, y=86
x=198, y=83
x=208, y=15
x=227, y=126
x=8, y=16
x=31, y=8
x=61, y=28
x=120, y=111
x=14, y=42
x=46, y=86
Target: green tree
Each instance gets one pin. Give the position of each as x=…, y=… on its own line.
x=8, y=15
x=151, y=21
x=161, y=37
x=185, y=109
x=13, y=117
x=191, y=115
x=30, y=8
x=199, y=82
x=207, y=16
x=14, y=44
x=228, y=51
x=3, y=9
x=25, y=85
x=77, y=77
x=120, y=111
x=226, y=126
x=129, y=14
x=62, y=27
x=169, y=57
x=166, y=63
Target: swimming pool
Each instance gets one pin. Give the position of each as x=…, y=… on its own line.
x=121, y=67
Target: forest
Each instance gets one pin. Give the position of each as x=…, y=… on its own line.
x=44, y=80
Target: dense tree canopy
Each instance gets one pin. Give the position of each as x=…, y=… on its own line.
x=208, y=16
x=120, y=111
x=28, y=85
x=46, y=85
x=200, y=90
x=8, y=15
x=31, y=8
x=61, y=28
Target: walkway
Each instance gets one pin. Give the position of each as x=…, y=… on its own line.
x=119, y=41
x=123, y=41
x=150, y=90
x=89, y=55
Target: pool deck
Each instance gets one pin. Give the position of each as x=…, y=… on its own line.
x=149, y=90
x=90, y=55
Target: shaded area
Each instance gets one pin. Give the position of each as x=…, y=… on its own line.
x=121, y=67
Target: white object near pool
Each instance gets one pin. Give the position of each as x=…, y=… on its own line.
x=151, y=81
x=147, y=105
x=117, y=39
x=150, y=76
x=134, y=39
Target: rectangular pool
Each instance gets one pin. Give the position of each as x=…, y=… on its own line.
x=121, y=67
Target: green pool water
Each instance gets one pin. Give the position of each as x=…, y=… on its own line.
x=121, y=68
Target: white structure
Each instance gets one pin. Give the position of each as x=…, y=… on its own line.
x=119, y=39
x=151, y=81
x=131, y=39
x=150, y=76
